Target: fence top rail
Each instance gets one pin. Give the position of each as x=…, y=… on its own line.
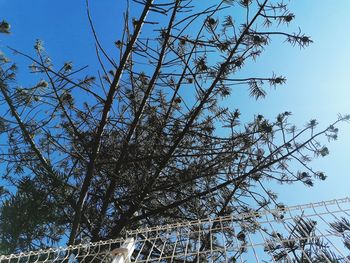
x=88, y=245
x=246, y=215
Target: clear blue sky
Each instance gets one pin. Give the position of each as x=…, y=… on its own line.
x=317, y=77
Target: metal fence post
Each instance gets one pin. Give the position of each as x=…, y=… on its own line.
x=123, y=253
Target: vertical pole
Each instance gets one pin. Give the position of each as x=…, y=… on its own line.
x=123, y=253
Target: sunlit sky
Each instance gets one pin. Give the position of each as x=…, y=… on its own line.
x=317, y=77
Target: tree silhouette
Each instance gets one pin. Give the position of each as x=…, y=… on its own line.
x=146, y=140
x=303, y=244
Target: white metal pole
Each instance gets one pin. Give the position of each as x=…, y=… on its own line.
x=123, y=253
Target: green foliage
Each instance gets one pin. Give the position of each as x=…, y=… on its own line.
x=28, y=219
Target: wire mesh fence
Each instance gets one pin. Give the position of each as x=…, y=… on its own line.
x=316, y=232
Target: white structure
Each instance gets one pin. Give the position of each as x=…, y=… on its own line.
x=304, y=233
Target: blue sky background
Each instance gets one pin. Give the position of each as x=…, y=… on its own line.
x=317, y=77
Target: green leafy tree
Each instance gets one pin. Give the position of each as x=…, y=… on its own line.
x=146, y=140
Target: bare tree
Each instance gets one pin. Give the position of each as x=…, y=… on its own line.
x=145, y=140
